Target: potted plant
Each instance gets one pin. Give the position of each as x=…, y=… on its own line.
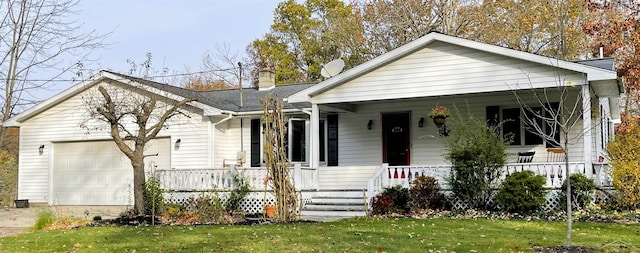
x=439, y=114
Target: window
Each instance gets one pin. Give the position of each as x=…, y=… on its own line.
x=298, y=140
x=519, y=131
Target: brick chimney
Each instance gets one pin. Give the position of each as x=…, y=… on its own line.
x=266, y=79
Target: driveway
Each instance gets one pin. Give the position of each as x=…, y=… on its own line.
x=19, y=220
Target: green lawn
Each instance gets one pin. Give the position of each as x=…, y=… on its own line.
x=350, y=235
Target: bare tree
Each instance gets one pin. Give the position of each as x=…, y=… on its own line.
x=133, y=118
x=555, y=114
x=34, y=37
x=219, y=70
x=275, y=134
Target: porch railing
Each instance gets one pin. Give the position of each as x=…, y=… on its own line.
x=554, y=174
x=221, y=179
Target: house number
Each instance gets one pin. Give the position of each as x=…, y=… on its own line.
x=396, y=130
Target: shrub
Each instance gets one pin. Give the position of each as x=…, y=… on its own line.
x=426, y=194
x=522, y=192
x=392, y=199
x=626, y=167
x=381, y=204
x=153, y=199
x=208, y=208
x=8, y=178
x=582, y=189
x=477, y=153
x=241, y=189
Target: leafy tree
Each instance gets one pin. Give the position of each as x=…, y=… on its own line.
x=613, y=26
x=133, y=118
x=550, y=28
x=304, y=36
x=477, y=154
x=625, y=159
x=34, y=37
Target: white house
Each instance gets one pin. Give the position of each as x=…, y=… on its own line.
x=353, y=132
x=63, y=163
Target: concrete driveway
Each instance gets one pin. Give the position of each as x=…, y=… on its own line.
x=19, y=220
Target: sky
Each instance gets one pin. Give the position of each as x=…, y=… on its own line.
x=176, y=32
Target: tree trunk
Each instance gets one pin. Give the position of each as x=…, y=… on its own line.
x=138, y=185
x=568, y=176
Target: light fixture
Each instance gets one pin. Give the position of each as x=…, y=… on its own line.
x=177, y=145
x=421, y=122
x=41, y=149
x=370, y=125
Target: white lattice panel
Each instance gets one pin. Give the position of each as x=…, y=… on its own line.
x=252, y=203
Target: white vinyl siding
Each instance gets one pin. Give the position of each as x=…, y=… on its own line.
x=61, y=123
x=443, y=69
x=361, y=147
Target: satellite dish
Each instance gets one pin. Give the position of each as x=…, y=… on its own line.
x=332, y=68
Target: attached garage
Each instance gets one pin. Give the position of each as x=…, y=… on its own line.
x=98, y=173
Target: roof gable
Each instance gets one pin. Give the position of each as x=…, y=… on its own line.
x=592, y=73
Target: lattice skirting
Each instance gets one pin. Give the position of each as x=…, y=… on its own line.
x=254, y=202
x=552, y=202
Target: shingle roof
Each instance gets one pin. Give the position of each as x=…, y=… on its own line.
x=227, y=99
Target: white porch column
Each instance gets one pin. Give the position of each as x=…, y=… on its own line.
x=587, y=127
x=315, y=137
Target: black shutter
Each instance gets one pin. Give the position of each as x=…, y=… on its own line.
x=255, y=143
x=332, y=140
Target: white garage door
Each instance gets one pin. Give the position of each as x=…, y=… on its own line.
x=97, y=173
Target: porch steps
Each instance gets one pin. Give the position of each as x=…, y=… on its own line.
x=336, y=204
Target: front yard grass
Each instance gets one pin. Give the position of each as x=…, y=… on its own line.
x=349, y=235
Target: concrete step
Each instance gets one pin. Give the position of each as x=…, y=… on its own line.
x=339, y=194
x=336, y=200
x=335, y=208
x=332, y=213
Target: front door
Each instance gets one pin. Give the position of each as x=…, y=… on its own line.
x=396, y=138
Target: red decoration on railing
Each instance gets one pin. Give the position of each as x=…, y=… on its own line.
x=395, y=174
x=402, y=174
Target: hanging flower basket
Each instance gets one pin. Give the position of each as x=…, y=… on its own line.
x=439, y=115
x=439, y=120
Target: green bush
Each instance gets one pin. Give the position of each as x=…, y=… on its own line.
x=241, y=189
x=477, y=153
x=392, y=199
x=582, y=189
x=425, y=194
x=522, y=192
x=153, y=199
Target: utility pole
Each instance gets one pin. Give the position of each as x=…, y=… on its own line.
x=240, y=82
